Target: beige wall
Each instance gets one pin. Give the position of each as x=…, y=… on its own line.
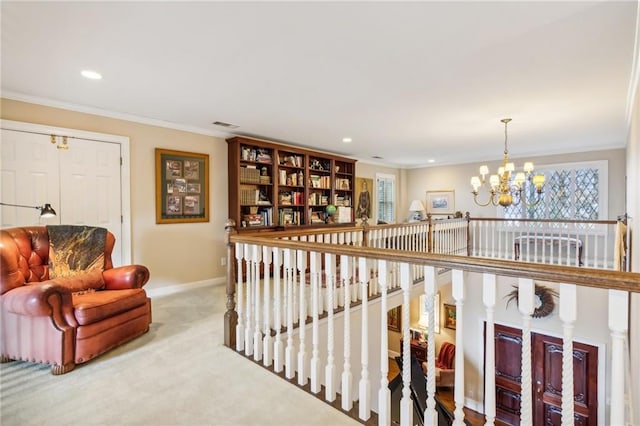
x=457, y=177
x=174, y=253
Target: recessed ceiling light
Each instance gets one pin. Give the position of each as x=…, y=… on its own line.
x=347, y=140
x=431, y=160
x=93, y=75
x=377, y=157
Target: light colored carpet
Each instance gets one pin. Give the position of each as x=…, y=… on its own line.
x=179, y=373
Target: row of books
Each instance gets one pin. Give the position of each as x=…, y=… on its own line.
x=318, y=199
x=264, y=217
x=291, y=179
x=291, y=198
x=289, y=217
x=342, y=200
x=342, y=183
x=290, y=160
x=317, y=181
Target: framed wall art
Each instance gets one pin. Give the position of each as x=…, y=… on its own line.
x=394, y=319
x=449, y=316
x=441, y=202
x=182, y=186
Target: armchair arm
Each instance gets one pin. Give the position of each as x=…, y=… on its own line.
x=125, y=277
x=41, y=299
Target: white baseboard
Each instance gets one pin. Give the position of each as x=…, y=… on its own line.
x=476, y=406
x=393, y=354
x=178, y=288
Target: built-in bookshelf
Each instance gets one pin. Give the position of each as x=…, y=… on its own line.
x=273, y=185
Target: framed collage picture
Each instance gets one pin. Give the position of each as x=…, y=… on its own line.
x=182, y=186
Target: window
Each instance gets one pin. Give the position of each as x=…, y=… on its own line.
x=385, y=197
x=571, y=191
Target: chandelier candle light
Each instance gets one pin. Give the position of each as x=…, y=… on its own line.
x=502, y=189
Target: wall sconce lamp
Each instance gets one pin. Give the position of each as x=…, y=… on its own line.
x=46, y=211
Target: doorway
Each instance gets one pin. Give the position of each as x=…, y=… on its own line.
x=547, y=378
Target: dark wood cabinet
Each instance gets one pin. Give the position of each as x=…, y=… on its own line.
x=418, y=348
x=273, y=186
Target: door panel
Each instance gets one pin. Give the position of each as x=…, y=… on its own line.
x=30, y=176
x=547, y=366
x=92, y=170
x=82, y=182
x=547, y=378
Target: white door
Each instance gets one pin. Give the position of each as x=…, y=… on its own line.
x=30, y=177
x=81, y=182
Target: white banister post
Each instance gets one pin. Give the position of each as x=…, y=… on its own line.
x=278, y=347
x=430, y=413
x=458, y=292
x=302, y=318
x=257, y=334
x=489, y=299
x=240, y=296
x=267, y=340
x=618, y=325
x=406, y=404
x=248, y=331
x=288, y=351
x=364, y=394
x=314, y=372
x=384, y=394
x=347, y=385
x=329, y=372
x=568, y=313
x=526, y=304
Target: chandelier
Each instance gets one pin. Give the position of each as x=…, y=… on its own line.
x=504, y=190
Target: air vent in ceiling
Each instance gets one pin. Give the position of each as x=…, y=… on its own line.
x=227, y=125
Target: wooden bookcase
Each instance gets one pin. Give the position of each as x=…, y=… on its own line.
x=273, y=186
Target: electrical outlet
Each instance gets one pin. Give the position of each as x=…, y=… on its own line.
x=223, y=261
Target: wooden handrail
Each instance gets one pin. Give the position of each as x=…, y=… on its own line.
x=589, y=277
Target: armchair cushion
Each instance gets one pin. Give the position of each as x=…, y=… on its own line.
x=96, y=306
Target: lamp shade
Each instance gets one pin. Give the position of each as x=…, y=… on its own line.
x=47, y=211
x=416, y=206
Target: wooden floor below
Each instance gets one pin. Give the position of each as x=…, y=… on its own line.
x=447, y=398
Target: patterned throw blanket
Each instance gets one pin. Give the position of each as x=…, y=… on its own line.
x=75, y=249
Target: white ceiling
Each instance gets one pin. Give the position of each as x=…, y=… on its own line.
x=407, y=81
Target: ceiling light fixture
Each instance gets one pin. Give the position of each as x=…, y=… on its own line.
x=431, y=160
x=504, y=190
x=347, y=140
x=92, y=75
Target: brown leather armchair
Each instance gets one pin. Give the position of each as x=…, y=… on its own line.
x=68, y=320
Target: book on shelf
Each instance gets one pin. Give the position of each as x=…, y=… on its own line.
x=343, y=215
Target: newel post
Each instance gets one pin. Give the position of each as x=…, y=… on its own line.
x=430, y=233
x=365, y=231
x=230, y=316
x=467, y=217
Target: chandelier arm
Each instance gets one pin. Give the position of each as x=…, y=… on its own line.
x=489, y=201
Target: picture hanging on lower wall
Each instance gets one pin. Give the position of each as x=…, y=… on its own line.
x=182, y=186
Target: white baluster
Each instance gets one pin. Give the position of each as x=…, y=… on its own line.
x=618, y=325
x=364, y=397
x=329, y=372
x=347, y=386
x=526, y=304
x=267, y=340
x=406, y=404
x=489, y=299
x=568, y=312
x=302, y=319
x=278, y=347
x=248, y=332
x=240, y=326
x=289, y=263
x=458, y=293
x=384, y=394
x=430, y=413
x=257, y=333
x=314, y=372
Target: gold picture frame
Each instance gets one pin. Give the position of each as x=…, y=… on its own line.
x=182, y=186
x=449, y=316
x=441, y=202
x=394, y=319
